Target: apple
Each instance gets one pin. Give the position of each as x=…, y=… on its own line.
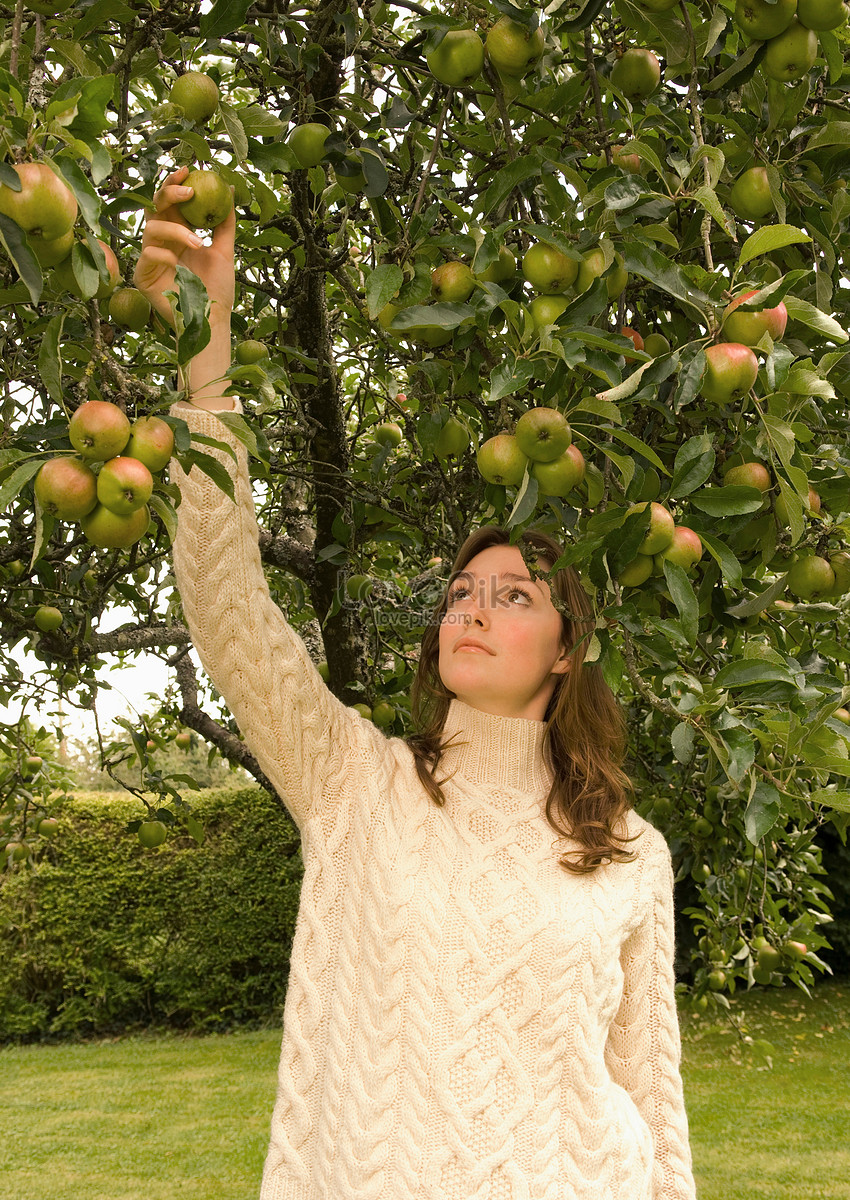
x=561, y=475
x=761, y=20
x=47, y=618
x=32, y=764
x=452, y=440
x=843, y=715
x=636, y=73
x=152, y=834
x=730, y=372
x=458, y=59
x=592, y=267
x=307, y=143
x=637, y=571
x=196, y=94
x=323, y=670
x=453, y=282
x=628, y=332
x=151, y=442
x=50, y=254
x=359, y=587
x=66, y=488
x=543, y=434
x=383, y=714
x=45, y=207
x=502, y=270
x=626, y=160
x=512, y=48
x=109, y=531
x=781, y=509
x=661, y=527
x=501, y=460
x=791, y=54
x=388, y=433
x=685, y=548
x=64, y=278
x=811, y=578
x=349, y=173
x=840, y=563
x=364, y=710
x=656, y=344
x=211, y=203
x=749, y=474
x=548, y=270
x=129, y=309
x=47, y=827
x=124, y=485
x=748, y=328
x=750, y=197
x=183, y=739
x=251, y=351
x=822, y=15
x=98, y=430
x=545, y=310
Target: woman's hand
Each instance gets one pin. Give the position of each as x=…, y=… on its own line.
x=168, y=240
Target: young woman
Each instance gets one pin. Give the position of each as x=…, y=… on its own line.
x=481, y=996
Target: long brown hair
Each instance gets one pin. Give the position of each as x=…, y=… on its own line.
x=585, y=737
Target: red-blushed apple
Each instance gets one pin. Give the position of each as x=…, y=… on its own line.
x=559, y=477
x=109, y=531
x=730, y=371
x=107, y=286
x=749, y=474
x=811, y=578
x=98, y=430
x=453, y=282
x=124, y=485
x=501, y=460
x=45, y=207
x=634, y=336
x=543, y=434
x=636, y=572
x=512, y=48
x=66, y=488
x=780, y=508
x=661, y=527
x=548, y=270
x=685, y=548
x=183, y=739
x=627, y=160
x=151, y=442
x=748, y=328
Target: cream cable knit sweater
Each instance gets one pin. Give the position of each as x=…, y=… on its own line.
x=464, y=1019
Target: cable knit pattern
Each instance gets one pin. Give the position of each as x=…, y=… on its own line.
x=465, y=1020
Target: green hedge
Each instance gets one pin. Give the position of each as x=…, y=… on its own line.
x=101, y=935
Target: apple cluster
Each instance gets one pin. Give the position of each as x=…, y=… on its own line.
x=542, y=443
x=111, y=504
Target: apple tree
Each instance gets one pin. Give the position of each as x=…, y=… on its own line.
x=575, y=267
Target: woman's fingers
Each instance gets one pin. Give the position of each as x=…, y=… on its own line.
x=171, y=235
x=164, y=196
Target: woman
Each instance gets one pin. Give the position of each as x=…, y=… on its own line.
x=477, y=1009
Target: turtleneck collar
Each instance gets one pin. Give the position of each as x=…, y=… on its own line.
x=505, y=753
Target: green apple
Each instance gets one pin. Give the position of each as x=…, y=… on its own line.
x=730, y=372
x=811, y=578
x=636, y=73
x=501, y=460
x=50, y=254
x=749, y=474
x=636, y=572
x=453, y=283
x=548, y=270
x=560, y=476
x=66, y=488
x=383, y=714
x=452, y=440
x=47, y=618
x=109, y=531
x=251, y=351
x=47, y=827
x=349, y=173
x=151, y=442
x=545, y=310
x=129, y=309
x=211, y=203
x=661, y=527
x=840, y=563
x=359, y=587
x=389, y=433
x=183, y=739
x=656, y=344
x=196, y=94
x=124, y=485
x=761, y=20
x=458, y=59
x=502, y=270
x=592, y=267
x=750, y=197
x=512, y=48
x=685, y=548
x=748, y=328
x=98, y=430
x=822, y=15
x=152, y=834
x=543, y=434
x=364, y=710
x=791, y=54
x=307, y=143
x=45, y=207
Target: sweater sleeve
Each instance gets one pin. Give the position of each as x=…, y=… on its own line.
x=643, y=1050
x=307, y=742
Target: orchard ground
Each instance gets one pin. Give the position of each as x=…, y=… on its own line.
x=162, y=1116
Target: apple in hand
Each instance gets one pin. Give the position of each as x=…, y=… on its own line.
x=151, y=442
x=661, y=527
x=730, y=372
x=748, y=328
x=560, y=476
x=548, y=270
x=453, y=282
x=211, y=203
x=45, y=207
x=196, y=94
x=124, y=485
x=109, y=531
x=66, y=488
x=512, y=48
x=750, y=197
x=501, y=460
x=458, y=59
x=98, y=430
x=543, y=434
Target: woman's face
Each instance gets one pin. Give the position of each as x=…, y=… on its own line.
x=519, y=626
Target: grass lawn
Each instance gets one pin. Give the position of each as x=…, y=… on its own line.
x=153, y=1118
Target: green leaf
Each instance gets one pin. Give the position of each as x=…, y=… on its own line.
x=651, y=264
x=682, y=740
x=14, y=483
x=383, y=283
x=727, y=501
x=424, y=316
x=740, y=750
x=757, y=604
x=834, y=133
x=526, y=500
x=707, y=197
x=192, y=306
x=807, y=314
x=224, y=17
x=769, y=238
x=635, y=443
x=210, y=466
x=623, y=193
x=18, y=248
x=726, y=560
x=693, y=466
x=801, y=382
x=241, y=429
x=509, y=377
x=508, y=178
x=166, y=512
x=762, y=812
x=682, y=591
x=741, y=70
x=748, y=672
x=628, y=387
x=50, y=358
x=235, y=131
x=835, y=799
